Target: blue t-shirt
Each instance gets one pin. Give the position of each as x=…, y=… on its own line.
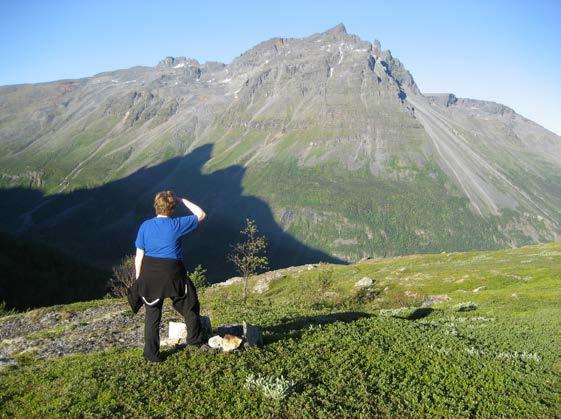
x=160, y=237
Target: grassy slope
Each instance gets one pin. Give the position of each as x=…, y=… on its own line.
x=389, y=216
x=348, y=352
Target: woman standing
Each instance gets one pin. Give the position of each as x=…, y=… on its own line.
x=160, y=272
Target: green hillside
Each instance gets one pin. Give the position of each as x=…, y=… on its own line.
x=352, y=214
x=443, y=335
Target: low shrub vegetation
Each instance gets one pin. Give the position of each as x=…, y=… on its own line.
x=332, y=354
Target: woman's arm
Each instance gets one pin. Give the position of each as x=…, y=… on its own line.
x=138, y=262
x=195, y=209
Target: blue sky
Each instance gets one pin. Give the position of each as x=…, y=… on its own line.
x=506, y=51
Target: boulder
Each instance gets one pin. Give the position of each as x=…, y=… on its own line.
x=231, y=281
x=215, y=342
x=261, y=286
x=230, y=329
x=177, y=331
x=230, y=342
x=4, y=362
x=364, y=282
x=231, y=336
x=252, y=335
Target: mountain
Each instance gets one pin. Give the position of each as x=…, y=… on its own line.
x=463, y=335
x=327, y=141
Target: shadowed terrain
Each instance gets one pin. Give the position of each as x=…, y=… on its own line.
x=100, y=224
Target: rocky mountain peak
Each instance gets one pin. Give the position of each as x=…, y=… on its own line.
x=376, y=47
x=178, y=62
x=338, y=29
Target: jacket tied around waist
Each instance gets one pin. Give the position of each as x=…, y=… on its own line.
x=159, y=278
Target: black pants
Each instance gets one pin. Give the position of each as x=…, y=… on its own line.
x=188, y=306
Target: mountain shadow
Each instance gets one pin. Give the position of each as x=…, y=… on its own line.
x=35, y=275
x=99, y=225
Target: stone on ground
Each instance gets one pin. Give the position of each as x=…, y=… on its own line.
x=433, y=299
x=252, y=335
x=177, y=331
x=215, y=342
x=230, y=342
x=364, y=282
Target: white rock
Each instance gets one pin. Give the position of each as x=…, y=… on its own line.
x=364, y=282
x=177, y=330
x=171, y=342
x=215, y=342
x=261, y=286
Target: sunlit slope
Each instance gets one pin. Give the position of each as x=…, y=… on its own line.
x=454, y=334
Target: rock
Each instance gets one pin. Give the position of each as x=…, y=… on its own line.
x=177, y=331
x=365, y=258
x=230, y=342
x=215, y=342
x=231, y=281
x=261, y=286
x=479, y=288
x=433, y=299
x=252, y=335
x=230, y=337
x=364, y=282
x=230, y=329
x=4, y=362
x=171, y=342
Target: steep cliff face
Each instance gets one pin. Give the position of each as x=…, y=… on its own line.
x=329, y=133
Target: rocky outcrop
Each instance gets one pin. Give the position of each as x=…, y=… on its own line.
x=48, y=333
